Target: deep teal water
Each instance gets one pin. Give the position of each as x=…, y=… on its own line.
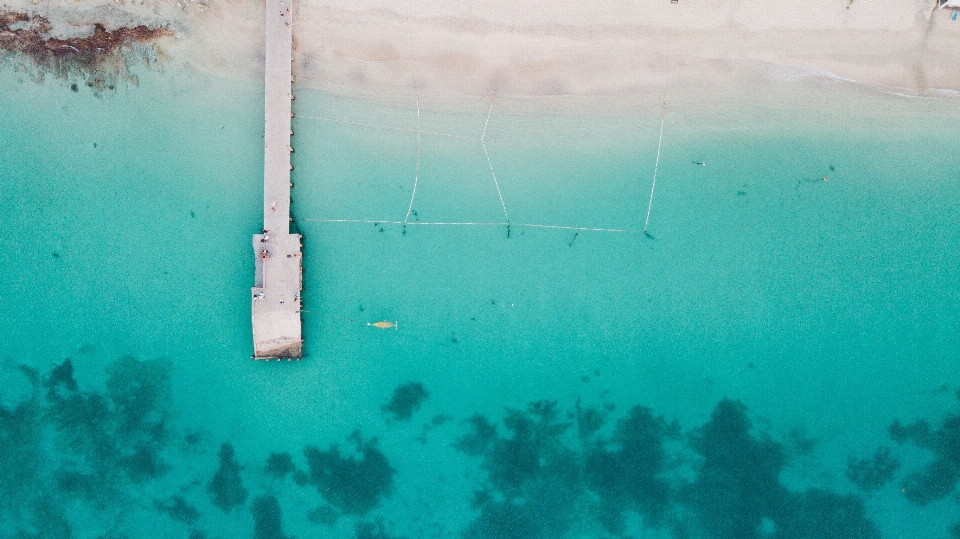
x=773, y=334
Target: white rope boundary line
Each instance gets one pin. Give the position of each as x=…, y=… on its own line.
x=416, y=178
x=471, y=223
x=391, y=127
x=406, y=221
x=483, y=142
x=663, y=112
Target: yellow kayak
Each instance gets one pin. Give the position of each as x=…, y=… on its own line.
x=383, y=325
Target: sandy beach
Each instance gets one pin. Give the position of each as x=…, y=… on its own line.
x=384, y=49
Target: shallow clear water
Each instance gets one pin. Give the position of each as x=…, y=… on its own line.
x=826, y=309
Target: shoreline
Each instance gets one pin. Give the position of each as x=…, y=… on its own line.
x=368, y=50
x=620, y=49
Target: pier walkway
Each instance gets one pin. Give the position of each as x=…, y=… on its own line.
x=275, y=296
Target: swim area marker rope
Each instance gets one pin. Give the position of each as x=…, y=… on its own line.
x=470, y=223
x=416, y=177
x=646, y=224
x=483, y=142
x=406, y=220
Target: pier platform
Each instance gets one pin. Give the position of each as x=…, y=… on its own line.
x=275, y=297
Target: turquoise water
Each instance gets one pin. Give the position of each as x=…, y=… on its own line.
x=773, y=332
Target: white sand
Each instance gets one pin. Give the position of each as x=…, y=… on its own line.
x=563, y=47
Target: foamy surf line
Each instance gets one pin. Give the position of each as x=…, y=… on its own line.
x=473, y=223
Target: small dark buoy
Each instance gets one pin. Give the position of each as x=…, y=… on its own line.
x=94, y=145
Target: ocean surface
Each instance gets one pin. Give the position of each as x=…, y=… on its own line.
x=780, y=358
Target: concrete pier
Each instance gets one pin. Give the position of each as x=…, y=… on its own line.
x=275, y=296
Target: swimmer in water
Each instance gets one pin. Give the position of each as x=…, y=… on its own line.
x=701, y=163
x=811, y=180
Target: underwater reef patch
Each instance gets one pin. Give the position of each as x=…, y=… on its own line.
x=737, y=492
x=324, y=514
x=544, y=471
x=64, y=444
x=481, y=434
x=543, y=478
x=874, y=472
x=178, y=508
x=940, y=477
x=738, y=482
x=406, y=401
x=535, y=483
x=21, y=453
x=279, y=465
x=354, y=483
x=267, y=518
x=373, y=530
x=627, y=471
x=226, y=487
x=107, y=442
